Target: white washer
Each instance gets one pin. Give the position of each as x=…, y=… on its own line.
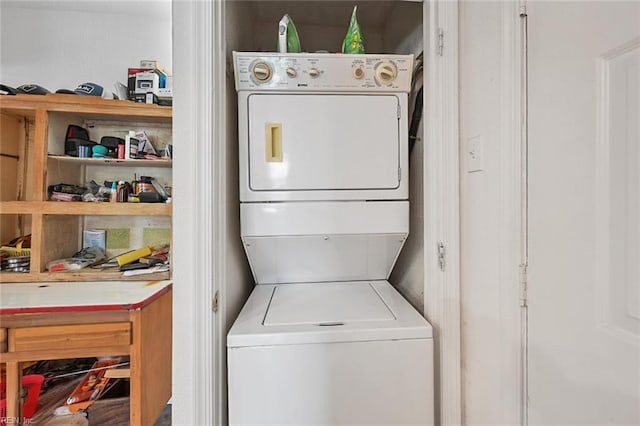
x=324, y=339
x=330, y=354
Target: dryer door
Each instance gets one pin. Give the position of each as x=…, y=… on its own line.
x=301, y=145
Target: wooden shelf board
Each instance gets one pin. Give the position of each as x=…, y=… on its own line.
x=111, y=161
x=83, y=275
x=88, y=106
x=82, y=208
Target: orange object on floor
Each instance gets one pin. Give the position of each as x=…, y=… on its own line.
x=92, y=385
x=32, y=383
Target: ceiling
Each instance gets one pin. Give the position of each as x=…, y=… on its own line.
x=370, y=14
x=318, y=12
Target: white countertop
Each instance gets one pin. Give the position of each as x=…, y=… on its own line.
x=79, y=296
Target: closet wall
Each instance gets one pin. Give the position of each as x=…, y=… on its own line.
x=388, y=27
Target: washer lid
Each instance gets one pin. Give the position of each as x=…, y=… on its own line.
x=304, y=313
x=326, y=304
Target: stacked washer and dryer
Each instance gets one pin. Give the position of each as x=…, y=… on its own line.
x=324, y=339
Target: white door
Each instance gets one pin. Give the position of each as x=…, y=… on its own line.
x=323, y=142
x=584, y=213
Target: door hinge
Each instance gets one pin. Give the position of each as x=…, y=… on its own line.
x=399, y=174
x=441, y=256
x=523, y=284
x=399, y=112
x=214, y=305
x=440, y=41
x=523, y=10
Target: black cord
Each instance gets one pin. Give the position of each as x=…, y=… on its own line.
x=415, y=120
x=416, y=116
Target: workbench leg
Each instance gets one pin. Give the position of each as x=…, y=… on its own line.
x=150, y=361
x=14, y=389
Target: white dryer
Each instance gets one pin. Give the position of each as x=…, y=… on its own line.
x=324, y=338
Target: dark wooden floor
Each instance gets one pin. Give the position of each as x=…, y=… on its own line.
x=104, y=412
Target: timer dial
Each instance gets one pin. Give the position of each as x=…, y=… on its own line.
x=386, y=73
x=262, y=72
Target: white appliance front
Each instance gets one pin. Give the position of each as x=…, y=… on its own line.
x=322, y=146
x=323, y=159
x=356, y=383
x=323, y=241
x=330, y=353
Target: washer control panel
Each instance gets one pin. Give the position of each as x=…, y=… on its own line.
x=322, y=72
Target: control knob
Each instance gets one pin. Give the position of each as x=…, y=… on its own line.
x=358, y=73
x=386, y=73
x=291, y=72
x=262, y=72
x=314, y=73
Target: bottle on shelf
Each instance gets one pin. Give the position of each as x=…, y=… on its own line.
x=114, y=192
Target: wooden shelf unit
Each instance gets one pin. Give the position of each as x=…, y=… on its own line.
x=31, y=148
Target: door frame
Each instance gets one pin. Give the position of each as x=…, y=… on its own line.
x=442, y=206
x=513, y=235
x=198, y=378
x=502, y=121
x=198, y=263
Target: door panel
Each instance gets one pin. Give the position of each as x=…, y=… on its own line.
x=323, y=142
x=620, y=186
x=584, y=214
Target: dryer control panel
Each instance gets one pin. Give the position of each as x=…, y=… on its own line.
x=312, y=72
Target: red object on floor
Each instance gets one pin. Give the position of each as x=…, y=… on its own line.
x=32, y=383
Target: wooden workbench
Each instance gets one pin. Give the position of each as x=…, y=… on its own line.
x=61, y=320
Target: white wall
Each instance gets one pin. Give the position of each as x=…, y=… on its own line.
x=403, y=34
x=403, y=31
x=312, y=37
x=65, y=43
x=479, y=115
x=490, y=311
x=408, y=274
x=239, y=281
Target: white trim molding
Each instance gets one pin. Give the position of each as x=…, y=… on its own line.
x=195, y=400
x=219, y=182
x=513, y=213
x=442, y=210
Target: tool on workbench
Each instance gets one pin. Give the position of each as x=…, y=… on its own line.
x=133, y=255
